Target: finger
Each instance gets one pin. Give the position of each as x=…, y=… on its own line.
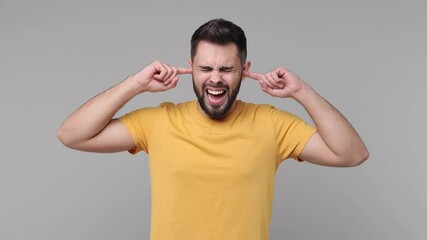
x=281, y=71
x=161, y=71
x=169, y=72
x=263, y=85
x=266, y=88
x=267, y=83
x=171, y=83
x=280, y=81
x=261, y=78
x=172, y=76
x=166, y=75
x=255, y=76
x=274, y=81
x=184, y=70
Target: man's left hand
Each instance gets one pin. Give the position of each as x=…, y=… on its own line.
x=279, y=82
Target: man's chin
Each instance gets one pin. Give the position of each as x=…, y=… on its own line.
x=216, y=112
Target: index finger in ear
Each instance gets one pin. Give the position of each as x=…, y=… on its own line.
x=184, y=70
x=255, y=76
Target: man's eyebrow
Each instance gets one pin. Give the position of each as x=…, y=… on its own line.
x=226, y=68
x=205, y=67
x=222, y=68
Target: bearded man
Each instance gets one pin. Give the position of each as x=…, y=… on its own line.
x=213, y=160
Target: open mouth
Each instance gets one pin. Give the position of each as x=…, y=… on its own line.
x=216, y=96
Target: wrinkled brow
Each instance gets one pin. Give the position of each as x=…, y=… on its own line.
x=222, y=68
x=226, y=68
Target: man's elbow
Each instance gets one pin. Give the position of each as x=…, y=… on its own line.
x=64, y=137
x=360, y=157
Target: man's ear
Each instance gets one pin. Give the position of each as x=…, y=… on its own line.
x=246, y=67
x=190, y=63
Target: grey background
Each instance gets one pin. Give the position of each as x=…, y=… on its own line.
x=366, y=57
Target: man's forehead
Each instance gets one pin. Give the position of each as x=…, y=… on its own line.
x=216, y=61
x=205, y=44
x=207, y=50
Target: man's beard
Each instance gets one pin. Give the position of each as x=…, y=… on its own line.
x=217, y=112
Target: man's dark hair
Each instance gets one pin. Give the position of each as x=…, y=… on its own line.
x=222, y=32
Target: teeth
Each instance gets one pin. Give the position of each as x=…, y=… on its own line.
x=215, y=92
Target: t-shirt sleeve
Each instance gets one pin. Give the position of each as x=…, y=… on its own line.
x=292, y=133
x=140, y=124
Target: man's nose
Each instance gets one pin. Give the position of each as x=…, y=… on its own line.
x=215, y=77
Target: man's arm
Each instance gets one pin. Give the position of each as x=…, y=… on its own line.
x=336, y=143
x=91, y=127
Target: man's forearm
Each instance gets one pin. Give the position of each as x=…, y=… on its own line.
x=89, y=120
x=337, y=133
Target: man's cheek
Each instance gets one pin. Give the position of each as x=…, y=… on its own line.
x=201, y=77
x=200, y=80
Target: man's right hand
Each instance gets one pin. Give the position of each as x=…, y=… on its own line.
x=91, y=127
x=158, y=77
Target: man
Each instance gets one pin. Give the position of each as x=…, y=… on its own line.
x=212, y=161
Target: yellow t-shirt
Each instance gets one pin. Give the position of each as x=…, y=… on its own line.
x=214, y=179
